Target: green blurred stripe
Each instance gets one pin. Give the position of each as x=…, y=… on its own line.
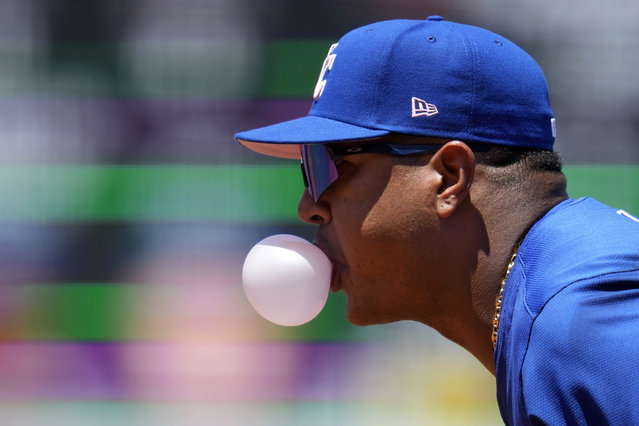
x=615, y=185
x=149, y=193
x=292, y=67
x=227, y=193
x=110, y=312
x=170, y=68
x=76, y=312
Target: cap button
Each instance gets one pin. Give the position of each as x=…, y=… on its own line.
x=434, y=18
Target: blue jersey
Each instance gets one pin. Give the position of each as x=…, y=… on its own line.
x=568, y=344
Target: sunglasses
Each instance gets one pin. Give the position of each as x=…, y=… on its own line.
x=318, y=160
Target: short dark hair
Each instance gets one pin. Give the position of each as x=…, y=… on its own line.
x=494, y=155
x=516, y=167
x=530, y=158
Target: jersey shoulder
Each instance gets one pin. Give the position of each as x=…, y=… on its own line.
x=576, y=240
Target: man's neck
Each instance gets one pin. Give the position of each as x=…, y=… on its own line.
x=507, y=221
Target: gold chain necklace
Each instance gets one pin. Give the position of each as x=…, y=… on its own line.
x=500, y=297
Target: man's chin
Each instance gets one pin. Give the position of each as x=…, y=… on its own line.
x=355, y=320
x=354, y=314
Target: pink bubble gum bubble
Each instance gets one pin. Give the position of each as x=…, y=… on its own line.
x=287, y=279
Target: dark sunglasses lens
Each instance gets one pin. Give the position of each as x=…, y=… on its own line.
x=319, y=169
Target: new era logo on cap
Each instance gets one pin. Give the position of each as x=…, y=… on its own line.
x=422, y=108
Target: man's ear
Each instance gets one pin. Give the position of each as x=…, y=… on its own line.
x=455, y=163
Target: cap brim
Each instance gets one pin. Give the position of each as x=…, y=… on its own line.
x=283, y=139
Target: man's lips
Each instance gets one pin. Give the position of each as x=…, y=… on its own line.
x=335, y=285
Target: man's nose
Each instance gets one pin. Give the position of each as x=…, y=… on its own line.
x=313, y=212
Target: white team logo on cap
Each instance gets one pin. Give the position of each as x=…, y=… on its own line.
x=328, y=64
x=421, y=108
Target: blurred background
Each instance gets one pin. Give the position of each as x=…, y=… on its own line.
x=126, y=209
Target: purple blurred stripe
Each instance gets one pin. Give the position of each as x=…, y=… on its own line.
x=256, y=371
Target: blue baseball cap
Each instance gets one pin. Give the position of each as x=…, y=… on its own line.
x=432, y=78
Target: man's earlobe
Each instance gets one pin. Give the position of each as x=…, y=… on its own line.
x=455, y=162
x=446, y=207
